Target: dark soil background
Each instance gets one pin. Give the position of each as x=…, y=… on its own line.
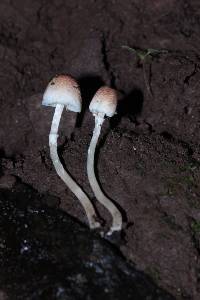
x=149, y=154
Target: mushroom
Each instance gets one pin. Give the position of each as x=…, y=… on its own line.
x=103, y=104
x=63, y=91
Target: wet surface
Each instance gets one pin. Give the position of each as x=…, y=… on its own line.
x=45, y=254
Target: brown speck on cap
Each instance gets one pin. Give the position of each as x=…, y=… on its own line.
x=106, y=93
x=64, y=80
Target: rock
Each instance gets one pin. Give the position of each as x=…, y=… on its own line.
x=46, y=254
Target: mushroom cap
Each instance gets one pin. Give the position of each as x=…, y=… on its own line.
x=104, y=101
x=63, y=89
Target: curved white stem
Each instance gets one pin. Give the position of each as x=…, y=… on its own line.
x=117, y=217
x=53, y=136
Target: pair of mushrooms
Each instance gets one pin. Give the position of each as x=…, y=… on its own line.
x=63, y=91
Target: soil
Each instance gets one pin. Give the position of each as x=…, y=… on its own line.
x=45, y=254
x=148, y=157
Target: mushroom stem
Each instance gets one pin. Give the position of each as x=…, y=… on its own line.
x=53, y=136
x=117, y=218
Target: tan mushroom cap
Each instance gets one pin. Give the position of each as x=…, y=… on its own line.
x=63, y=89
x=104, y=101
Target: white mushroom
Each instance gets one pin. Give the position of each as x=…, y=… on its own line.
x=103, y=104
x=63, y=91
